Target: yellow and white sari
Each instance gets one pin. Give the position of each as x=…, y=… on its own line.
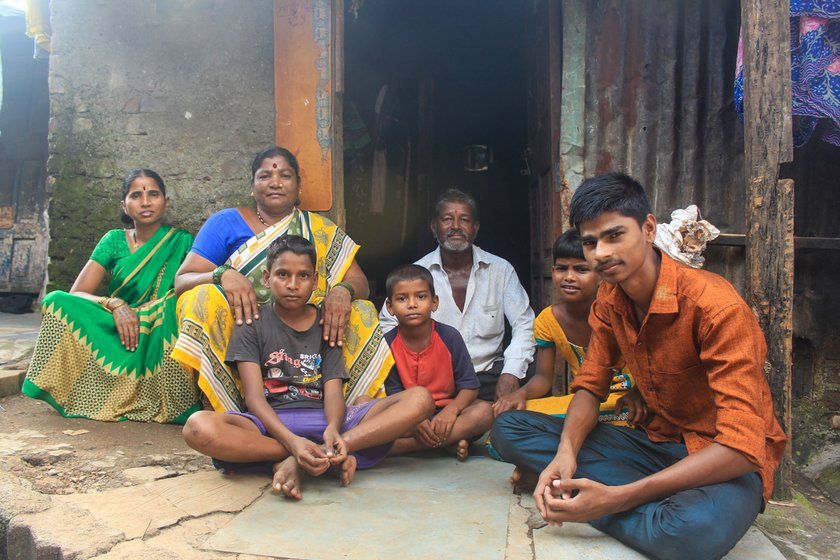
x=206, y=320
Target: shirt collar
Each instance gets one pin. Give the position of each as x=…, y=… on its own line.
x=479, y=256
x=664, y=298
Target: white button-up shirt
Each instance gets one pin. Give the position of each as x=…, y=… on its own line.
x=493, y=295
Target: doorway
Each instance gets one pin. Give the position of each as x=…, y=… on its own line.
x=424, y=82
x=24, y=117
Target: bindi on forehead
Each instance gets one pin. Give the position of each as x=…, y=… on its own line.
x=274, y=165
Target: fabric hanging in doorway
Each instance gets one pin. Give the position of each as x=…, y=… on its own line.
x=815, y=71
x=38, y=25
x=380, y=155
x=379, y=180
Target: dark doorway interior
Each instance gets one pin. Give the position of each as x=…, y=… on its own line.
x=422, y=81
x=24, y=117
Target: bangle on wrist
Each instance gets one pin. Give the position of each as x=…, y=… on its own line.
x=120, y=303
x=347, y=287
x=217, y=274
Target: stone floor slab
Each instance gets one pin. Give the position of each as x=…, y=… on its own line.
x=407, y=508
x=580, y=541
x=17, y=336
x=11, y=381
x=438, y=473
x=141, y=510
x=519, y=545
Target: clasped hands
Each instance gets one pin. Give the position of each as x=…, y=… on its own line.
x=434, y=432
x=315, y=459
x=559, y=497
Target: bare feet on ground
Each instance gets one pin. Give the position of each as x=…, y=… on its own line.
x=346, y=470
x=287, y=478
x=524, y=481
x=461, y=450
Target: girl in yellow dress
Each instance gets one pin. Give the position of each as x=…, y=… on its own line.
x=562, y=331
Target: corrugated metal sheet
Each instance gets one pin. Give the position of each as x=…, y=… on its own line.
x=658, y=106
x=659, y=103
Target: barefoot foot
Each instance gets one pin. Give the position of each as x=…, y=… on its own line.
x=462, y=451
x=524, y=481
x=345, y=471
x=287, y=478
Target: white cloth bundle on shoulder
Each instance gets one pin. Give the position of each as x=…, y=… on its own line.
x=684, y=238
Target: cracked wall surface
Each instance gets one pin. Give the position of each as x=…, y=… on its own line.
x=185, y=88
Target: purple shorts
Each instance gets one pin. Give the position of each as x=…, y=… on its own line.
x=310, y=423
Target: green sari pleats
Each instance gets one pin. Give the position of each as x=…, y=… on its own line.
x=79, y=365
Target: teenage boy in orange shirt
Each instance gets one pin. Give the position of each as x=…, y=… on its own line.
x=692, y=481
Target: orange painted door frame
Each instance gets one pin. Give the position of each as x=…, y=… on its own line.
x=308, y=84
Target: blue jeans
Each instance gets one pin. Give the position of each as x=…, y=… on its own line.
x=703, y=522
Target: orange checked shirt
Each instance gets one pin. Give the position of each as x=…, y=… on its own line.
x=698, y=361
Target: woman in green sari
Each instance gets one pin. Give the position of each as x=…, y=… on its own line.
x=107, y=358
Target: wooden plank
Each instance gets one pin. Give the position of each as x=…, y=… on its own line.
x=769, y=202
x=814, y=243
x=338, y=213
x=7, y=217
x=543, y=20
x=572, y=102
x=426, y=164
x=770, y=292
x=303, y=94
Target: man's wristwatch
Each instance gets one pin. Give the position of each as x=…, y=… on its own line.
x=217, y=274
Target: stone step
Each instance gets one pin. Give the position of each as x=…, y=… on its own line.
x=11, y=381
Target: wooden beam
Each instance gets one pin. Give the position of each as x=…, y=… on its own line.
x=338, y=212
x=572, y=101
x=769, y=202
x=799, y=243
x=303, y=94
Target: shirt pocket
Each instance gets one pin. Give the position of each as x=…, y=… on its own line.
x=684, y=393
x=491, y=322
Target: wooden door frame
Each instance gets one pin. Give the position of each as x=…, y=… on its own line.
x=308, y=94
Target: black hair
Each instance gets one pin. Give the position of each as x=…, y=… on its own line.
x=614, y=192
x=126, y=186
x=567, y=246
x=271, y=152
x=455, y=195
x=407, y=273
x=294, y=243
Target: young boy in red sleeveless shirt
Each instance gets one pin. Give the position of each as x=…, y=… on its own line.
x=432, y=355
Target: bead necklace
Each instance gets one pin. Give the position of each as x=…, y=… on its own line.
x=260, y=218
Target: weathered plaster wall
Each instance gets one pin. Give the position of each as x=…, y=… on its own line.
x=184, y=87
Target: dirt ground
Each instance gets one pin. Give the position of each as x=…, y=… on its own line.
x=65, y=456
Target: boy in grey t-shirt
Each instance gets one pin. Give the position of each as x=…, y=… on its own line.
x=292, y=381
x=294, y=364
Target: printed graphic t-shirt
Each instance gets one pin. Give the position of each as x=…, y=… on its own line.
x=294, y=364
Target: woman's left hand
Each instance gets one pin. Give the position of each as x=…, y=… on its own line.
x=335, y=313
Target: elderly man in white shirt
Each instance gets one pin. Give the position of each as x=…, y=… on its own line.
x=477, y=292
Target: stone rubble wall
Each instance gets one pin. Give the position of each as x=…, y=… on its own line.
x=183, y=87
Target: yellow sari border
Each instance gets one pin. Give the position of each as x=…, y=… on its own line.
x=206, y=321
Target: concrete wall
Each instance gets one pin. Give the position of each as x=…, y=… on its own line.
x=184, y=87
